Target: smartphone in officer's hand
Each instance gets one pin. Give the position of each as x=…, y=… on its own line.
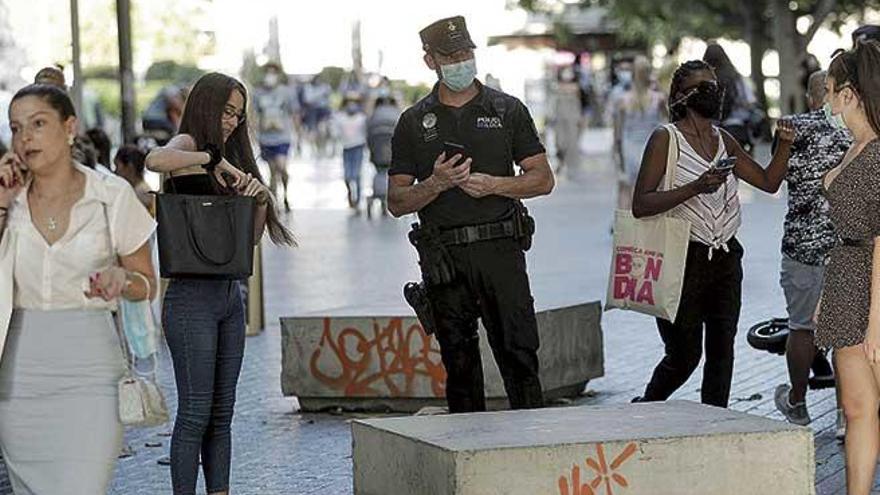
x=725, y=166
x=451, y=149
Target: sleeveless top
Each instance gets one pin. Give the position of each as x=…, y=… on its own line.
x=195, y=184
x=715, y=217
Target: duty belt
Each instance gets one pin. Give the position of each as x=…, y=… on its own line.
x=475, y=233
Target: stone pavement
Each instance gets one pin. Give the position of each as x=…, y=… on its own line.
x=351, y=265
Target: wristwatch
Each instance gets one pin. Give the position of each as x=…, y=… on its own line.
x=214, y=152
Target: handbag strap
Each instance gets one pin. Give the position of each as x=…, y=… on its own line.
x=671, y=158
x=194, y=241
x=116, y=315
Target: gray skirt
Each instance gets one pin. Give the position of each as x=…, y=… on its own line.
x=59, y=420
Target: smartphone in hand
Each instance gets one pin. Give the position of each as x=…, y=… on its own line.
x=725, y=166
x=452, y=149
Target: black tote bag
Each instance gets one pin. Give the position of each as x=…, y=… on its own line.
x=205, y=236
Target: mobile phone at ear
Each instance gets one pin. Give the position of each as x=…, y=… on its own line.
x=452, y=149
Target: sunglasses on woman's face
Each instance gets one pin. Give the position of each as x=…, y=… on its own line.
x=702, y=84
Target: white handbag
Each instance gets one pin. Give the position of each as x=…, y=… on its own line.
x=141, y=403
x=649, y=255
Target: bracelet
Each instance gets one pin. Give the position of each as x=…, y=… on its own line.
x=144, y=279
x=215, y=155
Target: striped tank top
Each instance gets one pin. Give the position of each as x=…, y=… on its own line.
x=715, y=217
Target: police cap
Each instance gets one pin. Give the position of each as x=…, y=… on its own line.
x=446, y=36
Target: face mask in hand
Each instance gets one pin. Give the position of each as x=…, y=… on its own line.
x=458, y=77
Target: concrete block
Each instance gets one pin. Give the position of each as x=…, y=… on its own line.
x=673, y=448
x=375, y=363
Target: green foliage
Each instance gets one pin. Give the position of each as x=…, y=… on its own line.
x=332, y=76
x=101, y=72
x=169, y=70
x=107, y=91
x=411, y=93
x=668, y=21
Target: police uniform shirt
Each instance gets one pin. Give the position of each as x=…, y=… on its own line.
x=496, y=131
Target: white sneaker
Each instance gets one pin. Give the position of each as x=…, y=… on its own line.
x=840, y=429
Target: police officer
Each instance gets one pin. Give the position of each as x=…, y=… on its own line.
x=453, y=156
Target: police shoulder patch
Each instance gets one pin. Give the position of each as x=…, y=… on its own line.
x=429, y=120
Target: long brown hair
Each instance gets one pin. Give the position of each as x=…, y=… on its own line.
x=201, y=119
x=860, y=68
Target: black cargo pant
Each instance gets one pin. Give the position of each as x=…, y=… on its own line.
x=711, y=297
x=492, y=284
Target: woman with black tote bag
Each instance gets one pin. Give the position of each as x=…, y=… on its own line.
x=218, y=202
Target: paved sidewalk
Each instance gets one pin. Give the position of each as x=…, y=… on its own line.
x=352, y=265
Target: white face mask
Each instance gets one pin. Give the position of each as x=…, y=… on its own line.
x=836, y=120
x=458, y=77
x=271, y=79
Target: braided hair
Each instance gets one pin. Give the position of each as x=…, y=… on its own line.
x=678, y=109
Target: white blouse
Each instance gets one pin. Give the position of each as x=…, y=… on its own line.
x=56, y=277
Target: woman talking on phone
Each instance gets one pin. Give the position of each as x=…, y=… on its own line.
x=204, y=318
x=74, y=241
x=710, y=163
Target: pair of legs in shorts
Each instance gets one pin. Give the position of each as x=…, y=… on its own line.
x=802, y=285
x=276, y=156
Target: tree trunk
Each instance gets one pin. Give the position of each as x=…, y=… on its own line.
x=755, y=30
x=786, y=40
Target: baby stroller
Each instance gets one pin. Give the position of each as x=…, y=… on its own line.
x=380, y=129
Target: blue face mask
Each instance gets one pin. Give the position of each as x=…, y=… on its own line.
x=458, y=77
x=139, y=327
x=836, y=121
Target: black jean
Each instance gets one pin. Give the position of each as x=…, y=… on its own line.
x=204, y=327
x=492, y=284
x=711, y=297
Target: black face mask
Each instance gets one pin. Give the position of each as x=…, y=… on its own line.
x=706, y=100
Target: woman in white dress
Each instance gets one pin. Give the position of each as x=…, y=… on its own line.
x=73, y=241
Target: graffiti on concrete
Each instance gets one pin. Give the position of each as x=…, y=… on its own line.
x=385, y=361
x=602, y=474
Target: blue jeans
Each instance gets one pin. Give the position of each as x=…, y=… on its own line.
x=352, y=158
x=204, y=327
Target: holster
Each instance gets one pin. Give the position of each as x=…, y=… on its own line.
x=523, y=225
x=416, y=295
x=434, y=259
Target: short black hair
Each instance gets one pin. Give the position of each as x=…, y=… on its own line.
x=866, y=32
x=130, y=154
x=101, y=142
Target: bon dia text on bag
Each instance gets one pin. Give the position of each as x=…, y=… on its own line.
x=635, y=272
